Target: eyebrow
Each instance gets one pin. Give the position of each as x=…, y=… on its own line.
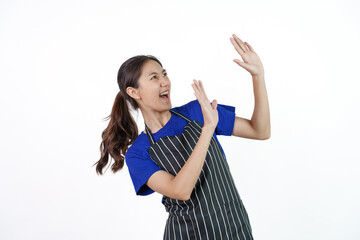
x=164, y=70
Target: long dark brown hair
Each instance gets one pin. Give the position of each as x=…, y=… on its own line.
x=122, y=129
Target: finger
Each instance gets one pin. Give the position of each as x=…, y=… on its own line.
x=214, y=104
x=198, y=89
x=198, y=96
x=237, y=47
x=195, y=87
x=247, y=47
x=195, y=90
x=240, y=63
x=196, y=84
x=241, y=44
x=251, y=49
x=203, y=89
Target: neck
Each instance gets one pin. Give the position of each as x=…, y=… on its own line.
x=156, y=121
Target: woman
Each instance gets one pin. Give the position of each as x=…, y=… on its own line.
x=178, y=154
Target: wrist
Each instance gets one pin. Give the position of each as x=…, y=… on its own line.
x=208, y=128
x=259, y=76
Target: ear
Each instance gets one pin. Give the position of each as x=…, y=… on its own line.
x=133, y=92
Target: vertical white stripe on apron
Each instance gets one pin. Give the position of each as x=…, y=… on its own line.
x=177, y=219
x=172, y=220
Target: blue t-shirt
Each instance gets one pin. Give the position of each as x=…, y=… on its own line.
x=137, y=158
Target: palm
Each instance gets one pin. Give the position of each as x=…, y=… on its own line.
x=210, y=112
x=251, y=61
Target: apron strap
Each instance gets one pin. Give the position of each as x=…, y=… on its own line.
x=179, y=114
x=149, y=135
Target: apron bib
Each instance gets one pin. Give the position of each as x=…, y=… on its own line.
x=214, y=210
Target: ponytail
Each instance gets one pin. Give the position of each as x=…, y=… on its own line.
x=119, y=134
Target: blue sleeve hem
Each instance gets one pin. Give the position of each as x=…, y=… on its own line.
x=143, y=189
x=226, y=120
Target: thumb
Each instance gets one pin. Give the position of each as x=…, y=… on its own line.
x=214, y=104
x=240, y=63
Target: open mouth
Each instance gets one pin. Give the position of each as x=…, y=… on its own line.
x=165, y=96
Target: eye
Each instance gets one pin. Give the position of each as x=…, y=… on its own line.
x=164, y=74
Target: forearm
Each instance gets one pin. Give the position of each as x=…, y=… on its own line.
x=187, y=177
x=260, y=119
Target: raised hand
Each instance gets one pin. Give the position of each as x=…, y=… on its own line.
x=209, y=111
x=252, y=62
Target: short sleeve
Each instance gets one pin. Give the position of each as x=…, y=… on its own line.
x=140, y=168
x=226, y=120
x=226, y=113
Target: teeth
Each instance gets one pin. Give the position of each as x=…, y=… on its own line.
x=164, y=93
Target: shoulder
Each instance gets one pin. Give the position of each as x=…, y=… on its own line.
x=138, y=149
x=185, y=108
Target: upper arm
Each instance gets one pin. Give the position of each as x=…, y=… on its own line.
x=162, y=182
x=140, y=168
x=243, y=128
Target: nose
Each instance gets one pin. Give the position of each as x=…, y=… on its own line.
x=165, y=81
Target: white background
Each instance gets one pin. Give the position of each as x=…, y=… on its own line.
x=59, y=63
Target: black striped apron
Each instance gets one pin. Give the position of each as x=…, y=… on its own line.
x=214, y=210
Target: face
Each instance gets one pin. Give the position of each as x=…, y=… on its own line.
x=152, y=82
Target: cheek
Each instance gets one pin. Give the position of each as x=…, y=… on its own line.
x=150, y=93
